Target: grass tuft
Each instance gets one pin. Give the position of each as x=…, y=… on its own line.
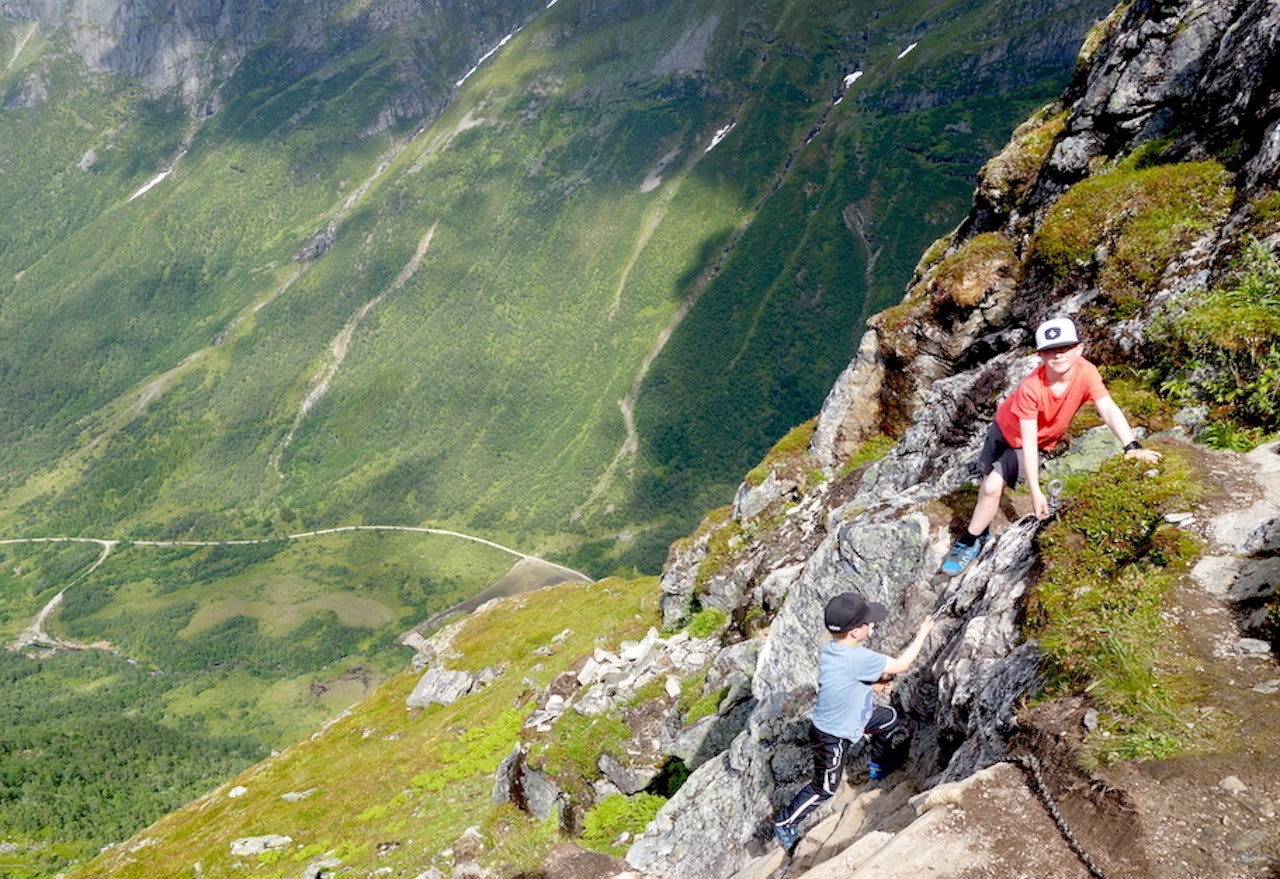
x=1109, y=562
x=1125, y=227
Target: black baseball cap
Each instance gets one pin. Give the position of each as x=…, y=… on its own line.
x=848, y=610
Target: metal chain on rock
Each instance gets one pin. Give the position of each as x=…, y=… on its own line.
x=1032, y=766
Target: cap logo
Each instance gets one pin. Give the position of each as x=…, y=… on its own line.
x=1053, y=333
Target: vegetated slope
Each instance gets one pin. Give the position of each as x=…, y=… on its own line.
x=386, y=787
x=328, y=307
x=309, y=305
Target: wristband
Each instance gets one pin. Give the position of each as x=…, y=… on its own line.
x=1133, y=444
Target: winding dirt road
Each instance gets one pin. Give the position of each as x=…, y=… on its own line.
x=35, y=634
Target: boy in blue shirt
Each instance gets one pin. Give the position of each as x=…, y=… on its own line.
x=844, y=710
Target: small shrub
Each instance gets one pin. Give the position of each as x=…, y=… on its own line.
x=1271, y=624
x=706, y=622
x=1232, y=437
x=1266, y=215
x=607, y=822
x=1224, y=351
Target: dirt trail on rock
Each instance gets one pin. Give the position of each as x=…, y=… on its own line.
x=1207, y=814
x=1214, y=814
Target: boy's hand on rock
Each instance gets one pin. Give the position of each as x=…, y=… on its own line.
x=1039, y=504
x=1147, y=456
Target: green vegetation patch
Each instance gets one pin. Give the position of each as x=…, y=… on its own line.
x=965, y=277
x=1109, y=561
x=580, y=612
x=703, y=706
x=1126, y=226
x=609, y=825
x=787, y=453
x=477, y=750
x=1224, y=351
x=707, y=622
x=572, y=755
x=1016, y=167
x=386, y=787
x=870, y=450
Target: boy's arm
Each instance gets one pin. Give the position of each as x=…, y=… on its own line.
x=1119, y=425
x=1030, y=432
x=896, y=665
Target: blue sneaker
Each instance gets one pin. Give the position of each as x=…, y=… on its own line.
x=788, y=836
x=877, y=771
x=960, y=556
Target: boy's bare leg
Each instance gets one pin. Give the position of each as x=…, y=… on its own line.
x=990, y=491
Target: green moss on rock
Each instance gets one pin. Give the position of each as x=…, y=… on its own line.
x=1123, y=228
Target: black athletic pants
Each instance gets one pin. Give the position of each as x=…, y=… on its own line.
x=829, y=754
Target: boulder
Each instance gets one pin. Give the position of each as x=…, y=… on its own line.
x=249, y=846
x=440, y=686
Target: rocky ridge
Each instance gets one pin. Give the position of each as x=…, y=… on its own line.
x=1187, y=80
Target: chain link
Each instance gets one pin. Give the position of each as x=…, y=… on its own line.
x=1032, y=765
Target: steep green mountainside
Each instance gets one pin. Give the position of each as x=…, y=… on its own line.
x=312, y=302
x=437, y=324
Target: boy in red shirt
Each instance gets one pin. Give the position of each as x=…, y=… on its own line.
x=1034, y=418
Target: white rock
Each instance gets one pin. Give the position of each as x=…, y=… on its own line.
x=1233, y=785
x=256, y=845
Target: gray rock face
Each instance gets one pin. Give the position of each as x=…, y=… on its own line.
x=440, y=686
x=250, y=846
x=851, y=410
x=973, y=671
x=1243, y=567
x=528, y=788
x=193, y=46
x=1193, y=69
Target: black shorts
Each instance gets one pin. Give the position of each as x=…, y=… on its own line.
x=996, y=452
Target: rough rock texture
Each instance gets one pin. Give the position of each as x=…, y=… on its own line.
x=439, y=686
x=1247, y=574
x=852, y=408
x=526, y=787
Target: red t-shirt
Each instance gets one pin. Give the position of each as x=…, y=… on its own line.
x=1032, y=399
